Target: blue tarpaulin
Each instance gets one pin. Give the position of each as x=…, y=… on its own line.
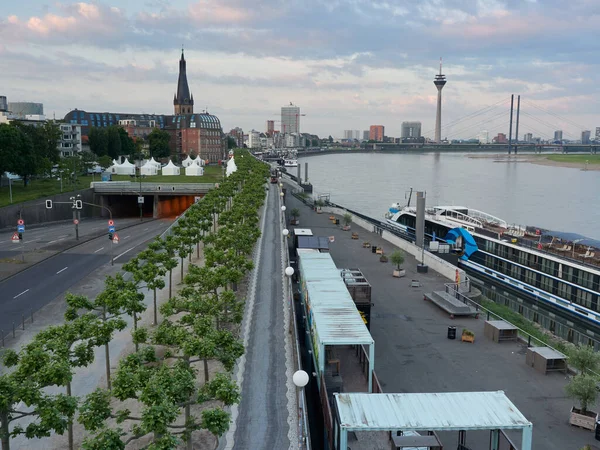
x=470, y=246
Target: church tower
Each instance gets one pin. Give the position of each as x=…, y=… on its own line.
x=183, y=101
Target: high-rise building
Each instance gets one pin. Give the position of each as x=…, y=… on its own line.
x=290, y=119
x=500, y=139
x=598, y=133
x=366, y=135
x=528, y=137
x=411, y=130
x=440, y=82
x=483, y=137
x=376, y=133
x=558, y=135
x=585, y=137
x=270, y=127
x=347, y=134
x=3, y=104
x=351, y=134
x=21, y=109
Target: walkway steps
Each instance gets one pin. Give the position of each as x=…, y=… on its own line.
x=451, y=305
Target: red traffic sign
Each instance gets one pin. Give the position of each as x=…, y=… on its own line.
x=115, y=238
x=76, y=222
x=111, y=223
x=15, y=237
x=20, y=222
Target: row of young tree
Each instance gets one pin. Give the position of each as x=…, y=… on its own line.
x=160, y=379
x=27, y=150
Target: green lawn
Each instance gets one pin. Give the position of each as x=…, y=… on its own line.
x=581, y=159
x=48, y=187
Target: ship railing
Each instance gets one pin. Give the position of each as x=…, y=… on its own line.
x=485, y=217
x=463, y=217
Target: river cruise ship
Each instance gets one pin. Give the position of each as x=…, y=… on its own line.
x=561, y=269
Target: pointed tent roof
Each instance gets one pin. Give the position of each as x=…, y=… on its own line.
x=153, y=161
x=183, y=96
x=126, y=163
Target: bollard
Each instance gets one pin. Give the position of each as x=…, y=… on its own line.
x=488, y=315
x=529, y=341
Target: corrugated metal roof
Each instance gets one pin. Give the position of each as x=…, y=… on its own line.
x=334, y=313
x=438, y=411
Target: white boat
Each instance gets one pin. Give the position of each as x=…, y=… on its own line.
x=290, y=163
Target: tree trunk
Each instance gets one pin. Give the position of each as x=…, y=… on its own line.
x=137, y=346
x=182, y=269
x=190, y=443
x=70, y=428
x=106, y=354
x=5, y=430
x=198, y=250
x=170, y=281
x=206, y=375
x=155, y=312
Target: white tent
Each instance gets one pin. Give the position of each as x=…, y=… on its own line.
x=148, y=169
x=187, y=161
x=231, y=167
x=155, y=163
x=194, y=170
x=170, y=169
x=126, y=168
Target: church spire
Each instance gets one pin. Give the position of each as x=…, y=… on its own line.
x=183, y=101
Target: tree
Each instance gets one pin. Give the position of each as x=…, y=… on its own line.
x=114, y=141
x=12, y=143
x=158, y=141
x=146, y=267
x=397, y=258
x=23, y=162
x=50, y=134
x=105, y=161
x=231, y=143
x=584, y=359
x=98, y=138
x=583, y=388
x=127, y=144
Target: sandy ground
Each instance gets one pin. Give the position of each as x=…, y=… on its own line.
x=540, y=160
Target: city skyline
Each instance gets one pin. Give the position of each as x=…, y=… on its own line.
x=100, y=57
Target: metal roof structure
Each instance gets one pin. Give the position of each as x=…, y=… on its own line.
x=445, y=411
x=336, y=318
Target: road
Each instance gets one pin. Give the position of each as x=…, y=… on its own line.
x=264, y=410
x=56, y=237
x=36, y=286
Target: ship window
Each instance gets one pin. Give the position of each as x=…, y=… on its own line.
x=515, y=271
x=547, y=283
x=548, y=266
x=530, y=277
x=584, y=298
x=564, y=291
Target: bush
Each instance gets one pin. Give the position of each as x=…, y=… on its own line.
x=582, y=388
x=347, y=219
x=397, y=258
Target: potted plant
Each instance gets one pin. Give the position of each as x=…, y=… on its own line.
x=366, y=244
x=347, y=221
x=467, y=336
x=583, y=386
x=383, y=258
x=397, y=258
x=295, y=213
x=318, y=205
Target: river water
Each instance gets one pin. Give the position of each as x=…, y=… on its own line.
x=555, y=198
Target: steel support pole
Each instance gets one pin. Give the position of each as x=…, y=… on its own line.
x=512, y=101
x=517, y=125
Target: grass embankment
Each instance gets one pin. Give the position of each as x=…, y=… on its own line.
x=507, y=314
x=43, y=188
x=580, y=159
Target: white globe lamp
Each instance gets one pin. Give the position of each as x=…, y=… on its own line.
x=289, y=271
x=283, y=208
x=285, y=232
x=281, y=194
x=300, y=378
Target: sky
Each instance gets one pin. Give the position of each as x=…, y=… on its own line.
x=348, y=64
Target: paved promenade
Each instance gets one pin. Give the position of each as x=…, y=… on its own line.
x=413, y=354
x=262, y=419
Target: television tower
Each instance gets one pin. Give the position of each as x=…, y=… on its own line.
x=440, y=82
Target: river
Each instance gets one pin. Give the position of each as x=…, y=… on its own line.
x=555, y=198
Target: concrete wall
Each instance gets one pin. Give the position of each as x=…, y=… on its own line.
x=439, y=265
x=34, y=212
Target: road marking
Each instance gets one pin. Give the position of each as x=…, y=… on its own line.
x=64, y=236
x=17, y=296
x=52, y=242
x=126, y=251
x=101, y=248
x=146, y=229
x=127, y=237
x=62, y=270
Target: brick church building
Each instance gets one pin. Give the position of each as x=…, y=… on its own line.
x=196, y=134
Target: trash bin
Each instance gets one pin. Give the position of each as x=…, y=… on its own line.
x=597, y=434
x=451, y=332
x=337, y=221
x=373, y=249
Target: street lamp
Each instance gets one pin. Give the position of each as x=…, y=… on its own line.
x=283, y=208
x=289, y=271
x=300, y=378
x=285, y=232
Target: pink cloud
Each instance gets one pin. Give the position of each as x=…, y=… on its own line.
x=210, y=11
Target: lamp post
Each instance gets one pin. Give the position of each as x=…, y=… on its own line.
x=10, y=188
x=300, y=379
